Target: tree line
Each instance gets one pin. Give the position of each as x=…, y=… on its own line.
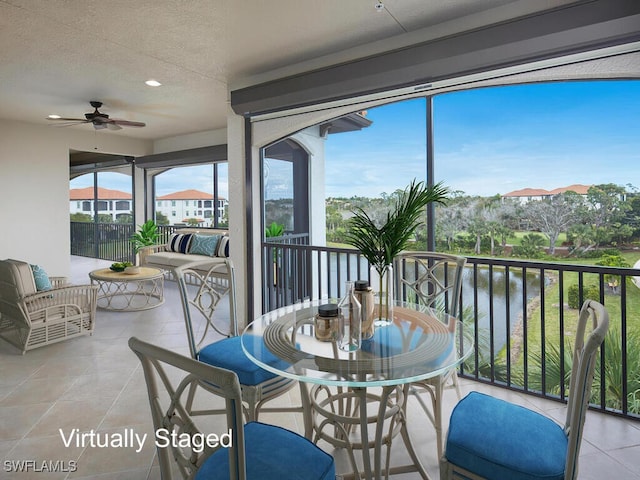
x=607, y=216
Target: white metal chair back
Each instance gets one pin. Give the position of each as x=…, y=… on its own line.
x=173, y=416
x=202, y=286
x=434, y=279
x=582, y=373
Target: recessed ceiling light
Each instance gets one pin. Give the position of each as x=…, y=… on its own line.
x=54, y=117
x=153, y=83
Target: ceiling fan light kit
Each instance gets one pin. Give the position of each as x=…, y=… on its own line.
x=98, y=119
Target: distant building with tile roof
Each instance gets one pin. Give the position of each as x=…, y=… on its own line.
x=178, y=207
x=528, y=194
x=181, y=206
x=110, y=202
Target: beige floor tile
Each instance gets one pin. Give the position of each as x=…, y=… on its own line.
x=629, y=457
x=5, y=447
x=610, y=433
x=67, y=415
x=97, y=385
x=13, y=374
x=602, y=466
x=38, y=390
x=18, y=420
x=64, y=367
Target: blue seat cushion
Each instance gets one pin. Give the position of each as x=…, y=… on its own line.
x=500, y=440
x=228, y=353
x=273, y=453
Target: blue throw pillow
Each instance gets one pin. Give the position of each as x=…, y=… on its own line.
x=41, y=278
x=204, y=244
x=180, y=242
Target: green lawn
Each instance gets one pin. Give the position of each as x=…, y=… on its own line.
x=559, y=324
x=516, y=238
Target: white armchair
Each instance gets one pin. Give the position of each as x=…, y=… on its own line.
x=30, y=318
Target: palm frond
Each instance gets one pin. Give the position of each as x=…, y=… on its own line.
x=379, y=245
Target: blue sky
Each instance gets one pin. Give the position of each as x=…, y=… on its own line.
x=495, y=140
x=198, y=177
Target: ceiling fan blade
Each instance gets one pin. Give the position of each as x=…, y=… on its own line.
x=68, y=119
x=127, y=123
x=69, y=123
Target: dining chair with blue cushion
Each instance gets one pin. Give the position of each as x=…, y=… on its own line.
x=433, y=280
x=203, y=285
x=233, y=449
x=493, y=439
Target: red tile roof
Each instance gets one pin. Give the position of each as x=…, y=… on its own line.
x=577, y=188
x=527, y=192
x=103, y=194
x=539, y=192
x=187, y=195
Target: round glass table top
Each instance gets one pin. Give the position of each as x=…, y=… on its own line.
x=420, y=343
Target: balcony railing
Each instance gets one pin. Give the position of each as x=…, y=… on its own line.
x=107, y=241
x=110, y=241
x=522, y=314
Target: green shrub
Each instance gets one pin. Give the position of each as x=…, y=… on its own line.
x=573, y=295
x=531, y=246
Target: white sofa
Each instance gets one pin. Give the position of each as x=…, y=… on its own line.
x=179, y=250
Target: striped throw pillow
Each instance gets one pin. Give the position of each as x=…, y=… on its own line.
x=222, y=250
x=180, y=242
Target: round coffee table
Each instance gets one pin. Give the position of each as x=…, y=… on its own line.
x=129, y=292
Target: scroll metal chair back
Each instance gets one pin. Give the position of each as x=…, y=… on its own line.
x=238, y=451
x=490, y=438
x=433, y=280
x=202, y=286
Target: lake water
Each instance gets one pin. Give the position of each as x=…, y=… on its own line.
x=503, y=294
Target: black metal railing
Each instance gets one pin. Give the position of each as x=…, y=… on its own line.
x=110, y=241
x=107, y=241
x=522, y=314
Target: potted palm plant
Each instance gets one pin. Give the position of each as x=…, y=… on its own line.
x=379, y=244
x=146, y=235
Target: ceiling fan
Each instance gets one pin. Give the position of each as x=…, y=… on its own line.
x=98, y=119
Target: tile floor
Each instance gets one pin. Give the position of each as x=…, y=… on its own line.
x=96, y=383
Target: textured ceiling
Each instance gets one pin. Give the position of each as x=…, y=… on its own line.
x=56, y=55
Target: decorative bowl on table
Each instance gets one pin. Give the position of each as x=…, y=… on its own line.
x=120, y=266
x=132, y=270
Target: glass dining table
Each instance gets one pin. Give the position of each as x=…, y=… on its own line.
x=357, y=399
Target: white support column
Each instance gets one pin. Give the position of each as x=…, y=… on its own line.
x=238, y=231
